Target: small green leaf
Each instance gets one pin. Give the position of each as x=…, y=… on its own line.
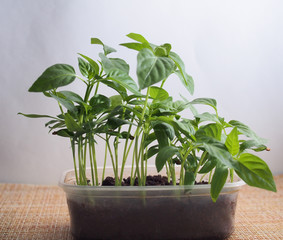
x=36, y=116
x=218, y=180
x=113, y=63
x=107, y=50
x=255, y=172
x=252, y=144
x=205, y=101
x=232, y=142
x=163, y=131
x=71, y=124
x=208, y=166
x=124, y=79
x=165, y=154
x=85, y=68
x=137, y=37
x=160, y=52
x=211, y=130
x=134, y=46
x=64, y=133
x=55, y=76
x=116, y=100
x=95, y=66
x=207, y=117
x=152, y=69
x=187, y=81
x=151, y=151
x=72, y=96
x=244, y=129
x=158, y=93
x=66, y=103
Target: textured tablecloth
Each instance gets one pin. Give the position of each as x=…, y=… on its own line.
x=40, y=212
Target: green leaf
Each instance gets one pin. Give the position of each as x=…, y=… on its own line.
x=207, y=117
x=208, y=166
x=64, y=133
x=71, y=124
x=116, y=86
x=113, y=63
x=218, y=180
x=220, y=152
x=185, y=78
x=66, y=103
x=252, y=144
x=116, y=100
x=244, y=129
x=36, y=115
x=187, y=81
x=107, y=50
x=114, y=123
x=134, y=46
x=165, y=154
x=55, y=76
x=124, y=79
x=232, y=142
x=137, y=37
x=94, y=65
x=189, y=178
x=163, y=131
x=72, y=96
x=205, y=101
x=152, y=69
x=160, y=52
x=151, y=152
x=211, y=130
x=85, y=68
x=255, y=172
x=99, y=103
x=158, y=93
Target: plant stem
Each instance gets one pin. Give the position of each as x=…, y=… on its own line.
x=74, y=159
x=90, y=159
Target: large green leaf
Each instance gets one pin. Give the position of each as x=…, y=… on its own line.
x=255, y=172
x=124, y=80
x=232, y=142
x=113, y=63
x=152, y=69
x=218, y=180
x=208, y=165
x=55, y=76
x=165, y=154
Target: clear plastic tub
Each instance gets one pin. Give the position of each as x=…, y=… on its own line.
x=156, y=212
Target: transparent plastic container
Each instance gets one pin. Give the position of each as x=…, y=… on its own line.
x=155, y=212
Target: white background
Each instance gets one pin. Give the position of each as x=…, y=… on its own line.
x=233, y=49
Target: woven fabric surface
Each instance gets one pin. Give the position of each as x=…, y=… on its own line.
x=32, y=212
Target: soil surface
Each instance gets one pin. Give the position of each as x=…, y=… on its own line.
x=156, y=180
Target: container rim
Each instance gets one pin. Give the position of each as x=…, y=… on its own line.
x=66, y=186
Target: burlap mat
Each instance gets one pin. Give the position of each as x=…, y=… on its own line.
x=40, y=212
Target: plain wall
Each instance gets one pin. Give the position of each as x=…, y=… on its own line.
x=233, y=50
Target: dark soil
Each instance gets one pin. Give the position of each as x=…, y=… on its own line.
x=156, y=180
x=150, y=215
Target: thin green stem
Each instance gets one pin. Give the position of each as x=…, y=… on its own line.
x=90, y=159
